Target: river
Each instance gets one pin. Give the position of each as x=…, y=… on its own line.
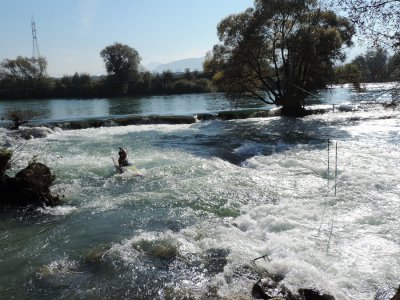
x=215, y=195
x=77, y=109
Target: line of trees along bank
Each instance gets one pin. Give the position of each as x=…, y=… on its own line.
x=373, y=66
x=24, y=77
x=85, y=86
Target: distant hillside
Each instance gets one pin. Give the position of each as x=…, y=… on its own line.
x=152, y=66
x=194, y=64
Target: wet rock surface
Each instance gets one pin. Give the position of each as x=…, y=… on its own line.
x=268, y=288
x=28, y=133
x=397, y=296
x=29, y=187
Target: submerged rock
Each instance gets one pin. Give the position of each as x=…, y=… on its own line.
x=158, y=249
x=215, y=260
x=309, y=294
x=29, y=187
x=206, y=117
x=268, y=288
x=28, y=133
x=248, y=113
x=346, y=107
x=397, y=296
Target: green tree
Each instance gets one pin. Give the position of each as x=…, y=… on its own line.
x=373, y=65
x=377, y=64
x=145, y=83
x=377, y=22
x=394, y=67
x=19, y=117
x=78, y=85
x=122, y=65
x=167, y=78
x=24, y=77
x=361, y=63
x=348, y=73
x=23, y=69
x=189, y=75
x=278, y=51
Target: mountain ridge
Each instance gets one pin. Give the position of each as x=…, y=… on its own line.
x=193, y=64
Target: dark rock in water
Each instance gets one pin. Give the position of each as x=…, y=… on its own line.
x=158, y=249
x=248, y=113
x=36, y=175
x=269, y=289
x=206, y=117
x=309, y=294
x=5, y=158
x=346, y=107
x=235, y=114
x=397, y=296
x=29, y=187
x=387, y=293
x=28, y=133
x=392, y=104
x=215, y=260
x=138, y=120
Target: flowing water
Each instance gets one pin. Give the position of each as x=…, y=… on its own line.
x=77, y=109
x=215, y=196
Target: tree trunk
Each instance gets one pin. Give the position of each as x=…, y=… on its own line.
x=292, y=106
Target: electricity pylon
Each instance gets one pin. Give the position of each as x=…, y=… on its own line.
x=35, y=45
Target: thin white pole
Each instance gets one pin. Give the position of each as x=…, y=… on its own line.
x=323, y=212
x=330, y=237
x=336, y=164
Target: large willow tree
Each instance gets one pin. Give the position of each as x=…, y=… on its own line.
x=278, y=52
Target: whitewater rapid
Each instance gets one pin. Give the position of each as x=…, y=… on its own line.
x=215, y=196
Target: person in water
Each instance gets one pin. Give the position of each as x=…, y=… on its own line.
x=122, y=159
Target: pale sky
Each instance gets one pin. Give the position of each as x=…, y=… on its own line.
x=71, y=33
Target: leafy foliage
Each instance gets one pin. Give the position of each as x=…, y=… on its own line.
x=378, y=20
x=24, y=76
x=349, y=73
x=394, y=67
x=78, y=85
x=23, y=68
x=122, y=65
x=372, y=66
x=19, y=116
x=277, y=51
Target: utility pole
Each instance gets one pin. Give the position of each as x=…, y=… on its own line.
x=35, y=45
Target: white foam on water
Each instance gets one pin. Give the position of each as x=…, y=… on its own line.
x=249, y=149
x=58, y=210
x=281, y=205
x=352, y=252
